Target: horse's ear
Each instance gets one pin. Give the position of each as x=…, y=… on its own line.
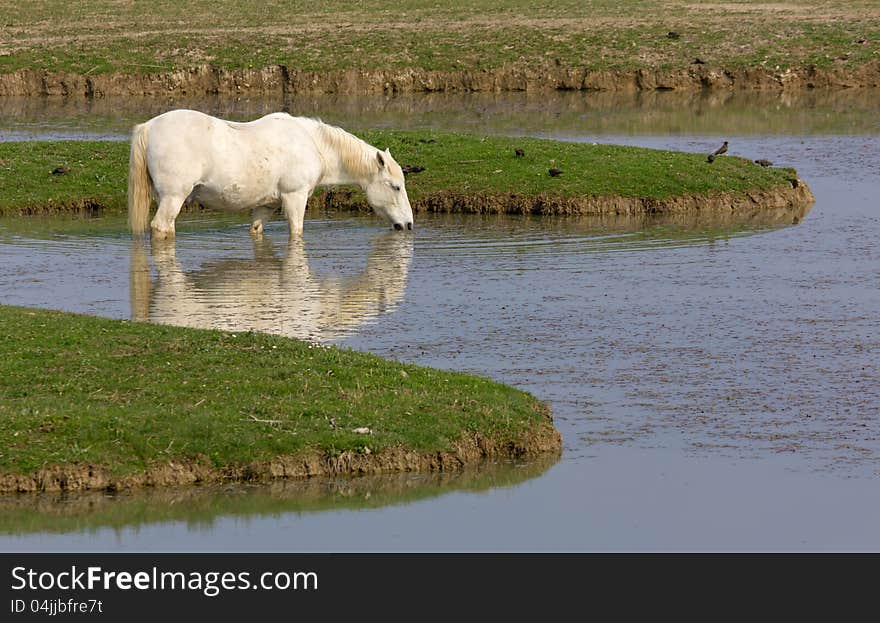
x=380, y=159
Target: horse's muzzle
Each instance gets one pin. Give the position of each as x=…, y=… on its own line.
x=399, y=226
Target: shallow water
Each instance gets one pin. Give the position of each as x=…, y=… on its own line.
x=715, y=381
x=844, y=112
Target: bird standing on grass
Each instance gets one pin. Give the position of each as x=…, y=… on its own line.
x=717, y=152
x=519, y=153
x=554, y=172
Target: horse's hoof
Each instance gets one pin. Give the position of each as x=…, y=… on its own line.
x=158, y=234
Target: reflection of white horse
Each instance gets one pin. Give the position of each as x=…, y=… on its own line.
x=278, y=160
x=269, y=294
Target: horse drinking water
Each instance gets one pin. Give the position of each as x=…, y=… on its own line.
x=278, y=160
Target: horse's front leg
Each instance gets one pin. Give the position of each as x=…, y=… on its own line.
x=259, y=218
x=294, y=204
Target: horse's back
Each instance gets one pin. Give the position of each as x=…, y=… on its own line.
x=198, y=128
x=183, y=123
x=181, y=137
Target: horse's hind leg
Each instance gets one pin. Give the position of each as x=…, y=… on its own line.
x=295, y=209
x=259, y=217
x=162, y=226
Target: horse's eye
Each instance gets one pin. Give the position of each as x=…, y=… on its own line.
x=395, y=187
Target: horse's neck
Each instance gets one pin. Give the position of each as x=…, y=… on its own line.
x=337, y=175
x=345, y=157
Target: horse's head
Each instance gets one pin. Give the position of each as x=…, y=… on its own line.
x=386, y=192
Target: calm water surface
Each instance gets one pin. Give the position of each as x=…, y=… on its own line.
x=715, y=380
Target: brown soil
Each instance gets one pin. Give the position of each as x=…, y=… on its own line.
x=794, y=194
x=83, y=207
x=543, y=441
x=59, y=512
x=208, y=80
x=782, y=201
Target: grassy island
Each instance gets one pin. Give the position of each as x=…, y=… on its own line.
x=462, y=173
x=94, y=403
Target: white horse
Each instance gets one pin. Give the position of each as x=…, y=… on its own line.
x=278, y=160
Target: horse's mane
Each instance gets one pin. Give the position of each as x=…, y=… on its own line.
x=357, y=157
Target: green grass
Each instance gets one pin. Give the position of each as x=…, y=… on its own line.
x=98, y=176
x=108, y=36
x=470, y=164
x=454, y=163
x=85, y=390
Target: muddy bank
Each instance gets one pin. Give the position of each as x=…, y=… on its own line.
x=59, y=512
x=209, y=80
x=794, y=194
x=544, y=441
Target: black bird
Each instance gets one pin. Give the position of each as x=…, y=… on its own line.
x=412, y=168
x=711, y=158
x=519, y=153
x=764, y=163
x=60, y=170
x=698, y=61
x=720, y=150
x=672, y=34
x=427, y=140
x=554, y=172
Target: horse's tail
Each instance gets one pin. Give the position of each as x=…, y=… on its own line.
x=139, y=184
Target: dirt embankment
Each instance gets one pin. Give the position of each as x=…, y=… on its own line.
x=206, y=80
x=545, y=440
x=791, y=198
x=794, y=194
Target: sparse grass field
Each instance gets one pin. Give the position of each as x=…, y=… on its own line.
x=454, y=163
x=114, y=36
